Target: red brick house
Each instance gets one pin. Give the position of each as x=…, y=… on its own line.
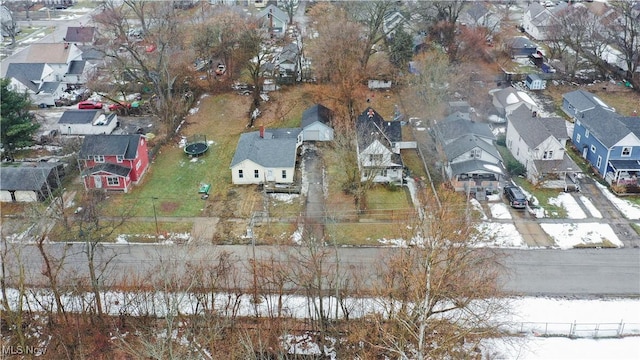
x=113, y=162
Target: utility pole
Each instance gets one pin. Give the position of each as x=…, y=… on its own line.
x=155, y=216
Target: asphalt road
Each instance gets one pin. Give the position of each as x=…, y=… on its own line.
x=573, y=273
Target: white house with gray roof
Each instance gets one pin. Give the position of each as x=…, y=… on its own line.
x=539, y=144
x=266, y=156
x=87, y=122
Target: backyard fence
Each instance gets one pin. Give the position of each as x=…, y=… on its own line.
x=579, y=330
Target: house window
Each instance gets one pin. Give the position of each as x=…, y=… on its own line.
x=599, y=162
x=119, y=158
x=626, y=151
x=586, y=134
x=548, y=154
x=375, y=158
x=98, y=158
x=593, y=148
x=240, y=174
x=256, y=173
x=578, y=138
x=284, y=174
x=475, y=153
x=113, y=181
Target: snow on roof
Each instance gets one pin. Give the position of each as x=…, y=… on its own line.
x=525, y=97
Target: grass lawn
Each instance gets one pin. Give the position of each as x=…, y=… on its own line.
x=364, y=233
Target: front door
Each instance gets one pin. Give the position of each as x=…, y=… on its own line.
x=97, y=181
x=584, y=152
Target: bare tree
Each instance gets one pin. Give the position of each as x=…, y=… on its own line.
x=289, y=7
x=441, y=295
x=441, y=19
x=624, y=33
x=144, y=40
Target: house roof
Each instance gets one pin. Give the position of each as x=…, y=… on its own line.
x=583, y=100
x=26, y=73
x=628, y=165
x=289, y=53
x=392, y=130
x=510, y=96
x=276, y=149
x=555, y=166
x=76, y=67
x=50, y=87
x=27, y=176
x=84, y=116
x=535, y=130
x=91, y=53
x=521, y=42
x=475, y=165
x=316, y=113
x=466, y=143
x=110, y=168
x=81, y=34
x=275, y=11
x=609, y=127
x=458, y=115
x=110, y=145
x=53, y=53
x=448, y=131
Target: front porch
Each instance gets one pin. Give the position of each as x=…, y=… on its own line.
x=623, y=172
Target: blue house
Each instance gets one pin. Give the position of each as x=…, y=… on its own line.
x=610, y=142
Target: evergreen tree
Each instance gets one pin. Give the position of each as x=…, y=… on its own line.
x=401, y=49
x=17, y=124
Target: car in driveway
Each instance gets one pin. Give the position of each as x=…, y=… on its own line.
x=88, y=104
x=515, y=197
x=119, y=106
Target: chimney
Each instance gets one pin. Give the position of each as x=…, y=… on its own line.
x=262, y=131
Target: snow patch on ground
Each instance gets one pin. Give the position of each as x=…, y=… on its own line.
x=565, y=200
x=500, y=211
x=499, y=235
x=630, y=210
x=567, y=236
x=590, y=207
x=285, y=198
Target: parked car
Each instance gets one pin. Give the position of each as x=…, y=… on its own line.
x=88, y=104
x=221, y=69
x=119, y=106
x=515, y=196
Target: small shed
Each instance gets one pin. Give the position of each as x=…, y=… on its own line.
x=535, y=82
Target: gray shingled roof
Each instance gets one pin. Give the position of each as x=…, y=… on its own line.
x=81, y=34
x=466, y=143
x=26, y=74
x=26, y=177
x=272, y=9
x=555, y=166
x=522, y=42
x=448, y=131
x=608, y=127
x=108, y=168
x=628, y=165
x=110, y=145
x=49, y=87
x=317, y=113
x=276, y=149
x=583, y=100
x=535, y=130
x=78, y=116
x=76, y=67
x=474, y=165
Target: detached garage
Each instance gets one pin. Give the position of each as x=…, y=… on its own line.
x=29, y=182
x=316, y=124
